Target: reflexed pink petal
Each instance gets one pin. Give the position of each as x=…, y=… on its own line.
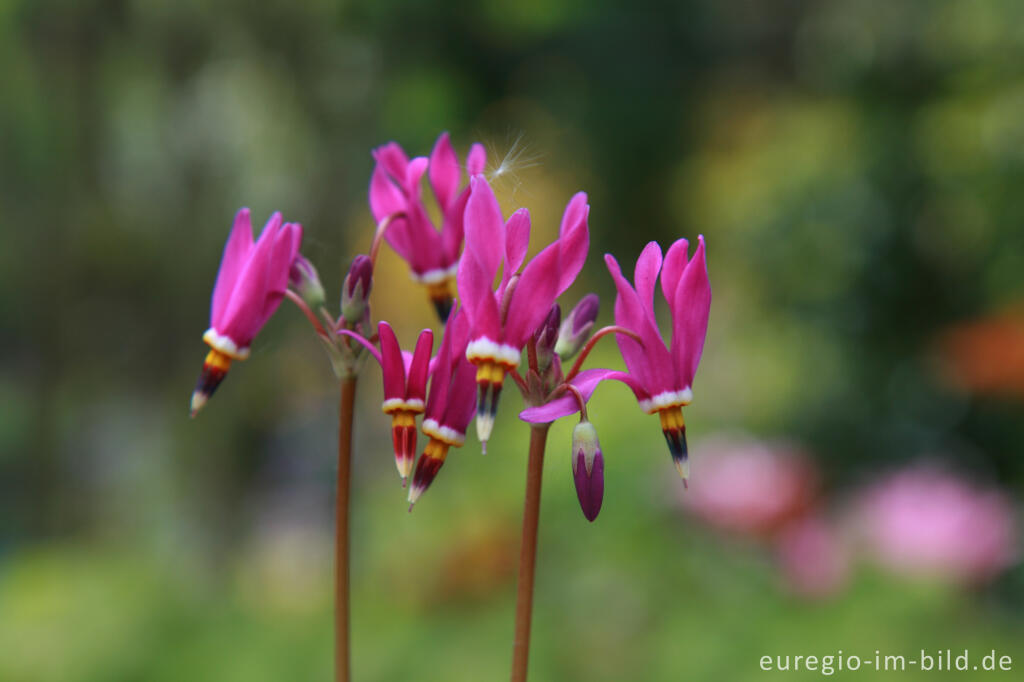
x=461, y=396
x=672, y=270
x=243, y=314
x=576, y=212
x=394, y=160
x=424, y=239
x=690, y=316
x=417, y=372
x=532, y=299
x=478, y=299
x=517, y=240
x=286, y=249
x=413, y=174
x=651, y=368
x=441, y=371
x=587, y=382
x=386, y=199
x=406, y=361
x=485, y=228
x=392, y=365
x=646, y=276
x=236, y=251
x=453, y=229
x=574, y=241
x=476, y=160
x=444, y=171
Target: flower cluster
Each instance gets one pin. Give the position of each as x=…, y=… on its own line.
x=487, y=328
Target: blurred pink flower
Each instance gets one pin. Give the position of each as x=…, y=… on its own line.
x=927, y=522
x=814, y=559
x=750, y=487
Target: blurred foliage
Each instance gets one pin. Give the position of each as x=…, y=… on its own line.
x=855, y=165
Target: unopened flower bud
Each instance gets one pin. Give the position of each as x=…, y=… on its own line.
x=546, y=336
x=576, y=328
x=588, y=469
x=303, y=278
x=355, y=292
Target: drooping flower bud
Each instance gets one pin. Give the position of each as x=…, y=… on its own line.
x=305, y=280
x=576, y=328
x=588, y=469
x=546, y=336
x=355, y=292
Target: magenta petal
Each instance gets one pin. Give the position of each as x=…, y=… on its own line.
x=476, y=160
x=243, y=314
x=532, y=299
x=418, y=369
x=574, y=241
x=461, y=396
x=385, y=200
x=630, y=313
x=587, y=382
x=286, y=249
x=690, y=312
x=672, y=269
x=478, y=299
x=645, y=276
x=391, y=363
x=394, y=160
x=575, y=214
x=413, y=174
x=517, y=240
x=485, y=228
x=589, y=486
x=453, y=229
x=236, y=252
x=444, y=171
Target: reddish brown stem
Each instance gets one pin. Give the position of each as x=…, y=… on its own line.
x=378, y=235
x=342, y=663
x=297, y=300
x=528, y=553
x=518, y=378
x=598, y=335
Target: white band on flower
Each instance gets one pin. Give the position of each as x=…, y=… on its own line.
x=667, y=399
x=445, y=434
x=485, y=349
x=435, y=276
x=395, y=404
x=225, y=345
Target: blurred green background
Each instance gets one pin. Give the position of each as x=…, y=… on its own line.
x=856, y=168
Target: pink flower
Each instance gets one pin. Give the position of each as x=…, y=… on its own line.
x=749, y=487
x=449, y=406
x=924, y=521
x=503, y=321
x=432, y=255
x=813, y=557
x=250, y=285
x=405, y=387
x=661, y=377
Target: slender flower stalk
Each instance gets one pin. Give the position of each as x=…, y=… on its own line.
x=342, y=546
x=528, y=553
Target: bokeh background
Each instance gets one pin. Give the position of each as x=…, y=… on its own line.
x=856, y=168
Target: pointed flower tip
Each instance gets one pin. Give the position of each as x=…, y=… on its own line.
x=588, y=469
x=577, y=327
x=305, y=280
x=196, y=404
